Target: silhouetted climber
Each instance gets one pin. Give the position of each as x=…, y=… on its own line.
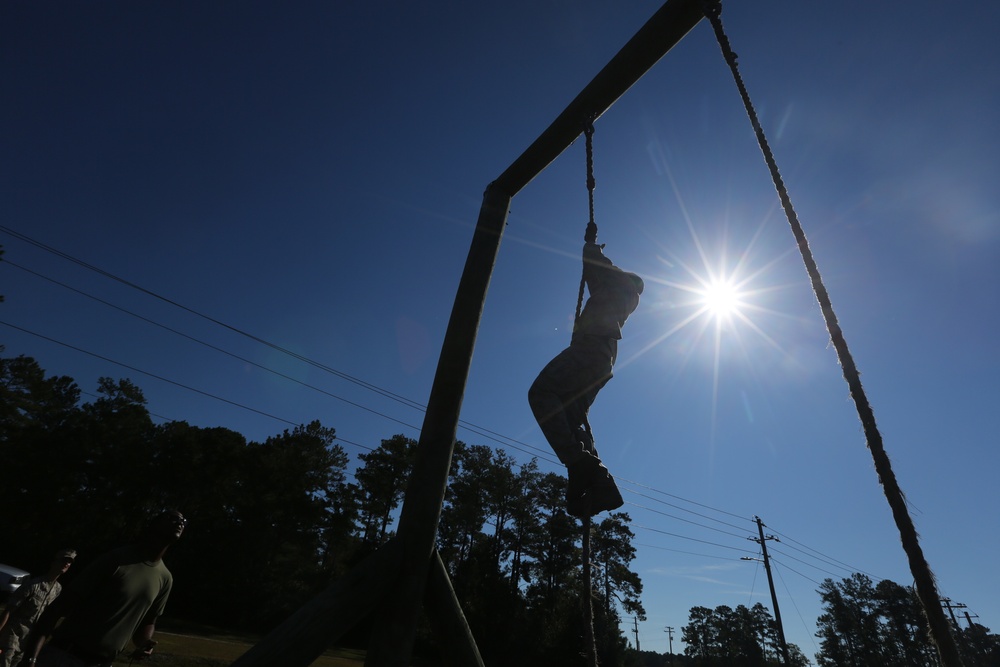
x=563, y=392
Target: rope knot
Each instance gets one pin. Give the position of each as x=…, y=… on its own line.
x=711, y=8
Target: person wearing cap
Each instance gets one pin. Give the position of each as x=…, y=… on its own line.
x=561, y=395
x=116, y=598
x=26, y=605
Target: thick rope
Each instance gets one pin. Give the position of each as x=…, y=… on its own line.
x=587, y=597
x=590, y=235
x=922, y=575
x=589, y=640
x=588, y=132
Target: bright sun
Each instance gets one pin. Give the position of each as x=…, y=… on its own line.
x=720, y=298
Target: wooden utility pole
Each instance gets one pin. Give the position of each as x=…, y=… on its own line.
x=947, y=604
x=770, y=581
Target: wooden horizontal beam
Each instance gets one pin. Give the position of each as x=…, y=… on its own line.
x=660, y=34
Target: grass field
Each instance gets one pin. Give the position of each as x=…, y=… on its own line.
x=185, y=650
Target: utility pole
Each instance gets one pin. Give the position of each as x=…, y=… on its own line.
x=670, y=636
x=969, y=618
x=636, y=619
x=770, y=581
x=947, y=604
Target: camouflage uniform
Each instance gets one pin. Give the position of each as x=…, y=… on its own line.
x=25, y=605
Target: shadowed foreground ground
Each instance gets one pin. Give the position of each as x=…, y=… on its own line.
x=185, y=650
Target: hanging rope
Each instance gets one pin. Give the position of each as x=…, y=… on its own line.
x=589, y=236
x=589, y=640
x=923, y=577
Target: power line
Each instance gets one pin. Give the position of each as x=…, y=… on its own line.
x=650, y=509
x=681, y=551
x=756, y=571
x=692, y=539
x=821, y=556
x=151, y=414
x=210, y=346
x=354, y=444
x=152, y=375
x=471, y=427
x=234, y=329
x=810, y=579
x=670, y=495
x=799, y=560
x=173, y=382
x=479, y=430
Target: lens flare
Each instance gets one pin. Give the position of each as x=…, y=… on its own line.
x=721, y=298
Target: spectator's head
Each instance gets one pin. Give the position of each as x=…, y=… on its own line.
x=61, y=561
x=165, y=527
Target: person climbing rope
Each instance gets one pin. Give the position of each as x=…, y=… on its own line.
x=561, y=395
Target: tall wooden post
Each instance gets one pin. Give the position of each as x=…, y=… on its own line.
x=392, y=640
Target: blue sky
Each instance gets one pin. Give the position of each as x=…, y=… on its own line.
x=310, y=173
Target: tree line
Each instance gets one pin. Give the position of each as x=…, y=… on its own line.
x=863, y=624
x=272, y=523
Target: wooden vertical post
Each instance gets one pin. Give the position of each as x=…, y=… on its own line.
x=447, y=619
x=304, y=635
x=392, y=639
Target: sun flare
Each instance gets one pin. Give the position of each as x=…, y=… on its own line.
x=720, y=303
x=721, y=298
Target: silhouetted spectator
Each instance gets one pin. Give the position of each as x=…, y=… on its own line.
x=116, y=598
x=26, y=605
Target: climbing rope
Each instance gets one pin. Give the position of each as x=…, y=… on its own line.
x=589, y=236
x=589, y=639
x=588, y=131
x=923, y=577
